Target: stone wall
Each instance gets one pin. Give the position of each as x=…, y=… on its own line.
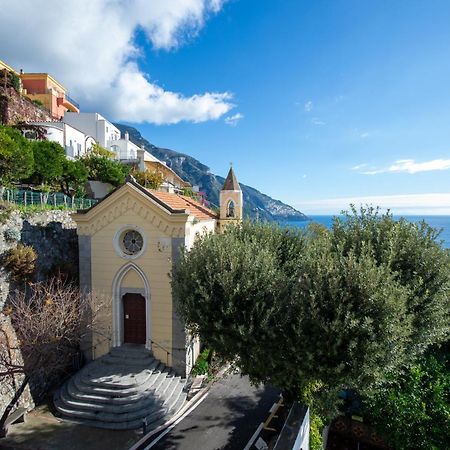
x=15, y=108
x=53, y=236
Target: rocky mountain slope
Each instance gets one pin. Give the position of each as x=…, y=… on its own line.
x=256, y=204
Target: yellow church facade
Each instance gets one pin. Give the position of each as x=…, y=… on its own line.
x=128, y=244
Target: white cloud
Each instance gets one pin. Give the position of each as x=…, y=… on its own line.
x=359, y=166
x=233, y=120
x=317, y=121
x=90, y=47
x=409, y=166
x=421, y=204
x=308, y=106
x=364, y=135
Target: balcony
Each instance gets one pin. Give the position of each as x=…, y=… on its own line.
x=70, y=103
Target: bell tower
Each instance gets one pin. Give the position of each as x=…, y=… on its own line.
x=231, y=201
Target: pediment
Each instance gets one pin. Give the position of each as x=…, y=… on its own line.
x=123, y=200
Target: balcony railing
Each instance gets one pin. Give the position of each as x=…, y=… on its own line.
x=71, y=100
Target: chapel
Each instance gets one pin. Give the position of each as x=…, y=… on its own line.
x=128, y=244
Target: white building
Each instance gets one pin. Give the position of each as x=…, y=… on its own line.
x=105, y=133
x=75, y=142
x=124, y=149
x=95, y=125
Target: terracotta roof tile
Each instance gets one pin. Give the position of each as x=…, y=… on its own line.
x=177, y=201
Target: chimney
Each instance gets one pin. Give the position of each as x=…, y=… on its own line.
x=127, y=137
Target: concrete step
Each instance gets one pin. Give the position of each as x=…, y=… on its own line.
x=98, y=397
x=123, y=378
x=114, y=408
x=138, y=363
x=115, y=392
x=129, y=350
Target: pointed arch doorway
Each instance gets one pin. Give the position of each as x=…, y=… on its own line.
x=137, y=302
x=134, y=319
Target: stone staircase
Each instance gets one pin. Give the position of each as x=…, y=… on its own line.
x=121, y=389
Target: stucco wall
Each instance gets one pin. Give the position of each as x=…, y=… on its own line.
x=112, y=274
x=156, y=265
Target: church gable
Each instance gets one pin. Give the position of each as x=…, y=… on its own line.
x=129, y=201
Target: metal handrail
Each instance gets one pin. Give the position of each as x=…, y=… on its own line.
x=71, y=100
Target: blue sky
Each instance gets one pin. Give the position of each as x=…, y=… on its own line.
x=341, y=100
x=324, y=87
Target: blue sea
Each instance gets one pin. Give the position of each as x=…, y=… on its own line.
x=439, y=222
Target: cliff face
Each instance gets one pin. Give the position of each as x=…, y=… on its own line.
x=256, y=204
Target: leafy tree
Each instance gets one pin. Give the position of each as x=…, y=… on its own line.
x=75, y=175
x=151, y=180
x=101, y=168
x=310, y=313
x=49, y=159
x=413, y=254
x=413, y=409
x=98, y=150
x=16, y=156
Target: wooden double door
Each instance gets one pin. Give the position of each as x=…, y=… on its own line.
x=134, y=319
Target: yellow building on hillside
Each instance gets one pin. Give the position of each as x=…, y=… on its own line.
x=128, y=243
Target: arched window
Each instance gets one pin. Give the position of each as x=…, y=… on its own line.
x=231, y=209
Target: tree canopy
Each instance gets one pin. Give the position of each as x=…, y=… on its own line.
x=413, y=409
x=49, y=158
x=101, y=168
x=321, y=311
x=16, y=156
x=75, y=175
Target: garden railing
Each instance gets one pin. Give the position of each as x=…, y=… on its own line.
x=50, y=199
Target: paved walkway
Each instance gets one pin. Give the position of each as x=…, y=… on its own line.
x=226, y=419
x=42, y=431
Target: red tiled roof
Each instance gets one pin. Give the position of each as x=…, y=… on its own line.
x=177, y=201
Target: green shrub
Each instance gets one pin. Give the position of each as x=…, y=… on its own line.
x=413, y=409
x=201, y=366
x=20, y=262
x=37, y=102
x=315, y=431
x=14, y=81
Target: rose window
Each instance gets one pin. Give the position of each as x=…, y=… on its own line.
x=132, y=242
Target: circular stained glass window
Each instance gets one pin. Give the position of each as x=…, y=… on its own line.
x=132, y=242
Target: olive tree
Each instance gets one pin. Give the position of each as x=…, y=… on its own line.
x=312, y=313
